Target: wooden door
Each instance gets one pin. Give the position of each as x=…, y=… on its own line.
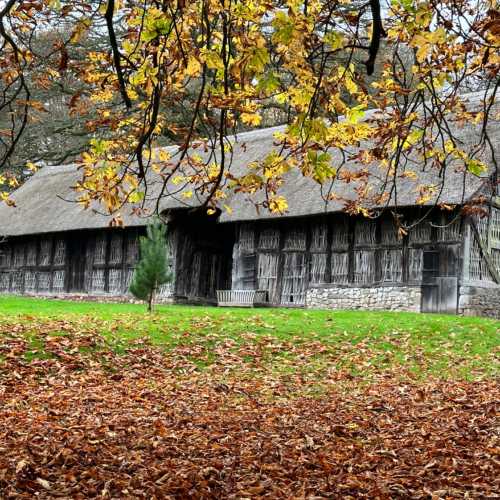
x=294, y=279
x=430, y=290
x=448, y=294
x=267, y=275
x=439, y=293
x=76, y=254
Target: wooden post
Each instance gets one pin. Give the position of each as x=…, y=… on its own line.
x=23, y=267
x=405, y=271
x=124, y=259
x=51, y=262
x=106, y=261
x=11, y=266
x=256, y=254
x=329, y=240
x=378, y=252
x=350, y=248
x=281, y=263
x=308, y=228
x=464, y=263
x=38, y=243
x=67, y=264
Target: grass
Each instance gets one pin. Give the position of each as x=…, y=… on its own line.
x=282, y=342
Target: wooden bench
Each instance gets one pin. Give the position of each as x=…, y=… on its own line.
x=241, y=298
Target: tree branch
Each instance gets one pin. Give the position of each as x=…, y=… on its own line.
x=116, y=53
x=378, y=32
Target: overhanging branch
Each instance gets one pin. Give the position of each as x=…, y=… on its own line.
x=116, y=53
x=378, y=33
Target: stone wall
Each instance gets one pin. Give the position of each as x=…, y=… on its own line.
x=479, y=300
x=390, y=298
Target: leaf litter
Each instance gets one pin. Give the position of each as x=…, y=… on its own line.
x=259, y=418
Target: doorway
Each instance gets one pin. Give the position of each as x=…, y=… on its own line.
x=439, y=293
x=76, y=252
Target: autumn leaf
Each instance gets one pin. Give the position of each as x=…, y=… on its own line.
x=278, y=204
x=233, y=405
x=251, y=118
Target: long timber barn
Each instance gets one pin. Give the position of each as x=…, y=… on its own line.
x=314, y=256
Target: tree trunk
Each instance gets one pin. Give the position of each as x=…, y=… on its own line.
x=150, y=301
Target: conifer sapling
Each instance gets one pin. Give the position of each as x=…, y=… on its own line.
x=153, y=268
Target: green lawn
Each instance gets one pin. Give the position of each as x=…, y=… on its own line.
x=310, y=343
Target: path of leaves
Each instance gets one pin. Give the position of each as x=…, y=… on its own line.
x=147, y=424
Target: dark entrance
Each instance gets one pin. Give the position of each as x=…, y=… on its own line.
x=203, y=256
x=76, y=252
x=439, y=293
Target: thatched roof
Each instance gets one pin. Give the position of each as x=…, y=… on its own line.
x=305, y=197
x=42, y=206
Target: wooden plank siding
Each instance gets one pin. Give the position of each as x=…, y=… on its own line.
x=284, y=257
x=291, y=255
x=483, y=247
x=93, y=261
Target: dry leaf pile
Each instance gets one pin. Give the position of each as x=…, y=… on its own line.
x=88, y=422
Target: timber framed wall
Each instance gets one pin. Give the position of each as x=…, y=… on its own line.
x=289, y=257
x=88, y=261
x=480, y=286
x=34, y=264
x=445, y=264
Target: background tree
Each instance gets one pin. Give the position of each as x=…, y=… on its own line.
x=153, y=268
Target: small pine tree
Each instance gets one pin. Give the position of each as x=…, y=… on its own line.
x=152, y=270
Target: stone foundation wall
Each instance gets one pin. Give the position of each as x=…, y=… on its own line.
x=390, y=298
x=479, y=300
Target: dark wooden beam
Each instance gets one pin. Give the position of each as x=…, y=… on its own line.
x=106, y=260
x=11, y=273
x=38, y=242
x=23, y=267
x=124, y=258
x=378, y=252
x=350, y=248
x=51, y=262
x=329, y=239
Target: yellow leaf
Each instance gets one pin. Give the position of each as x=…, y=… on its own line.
x=163, y=155
x=449, y=146
x=136, y=197
x=193, y=67
x=251, y=118
x=31, y=166
x=278, y=204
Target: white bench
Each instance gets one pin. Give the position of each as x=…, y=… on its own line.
x=240, y=298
